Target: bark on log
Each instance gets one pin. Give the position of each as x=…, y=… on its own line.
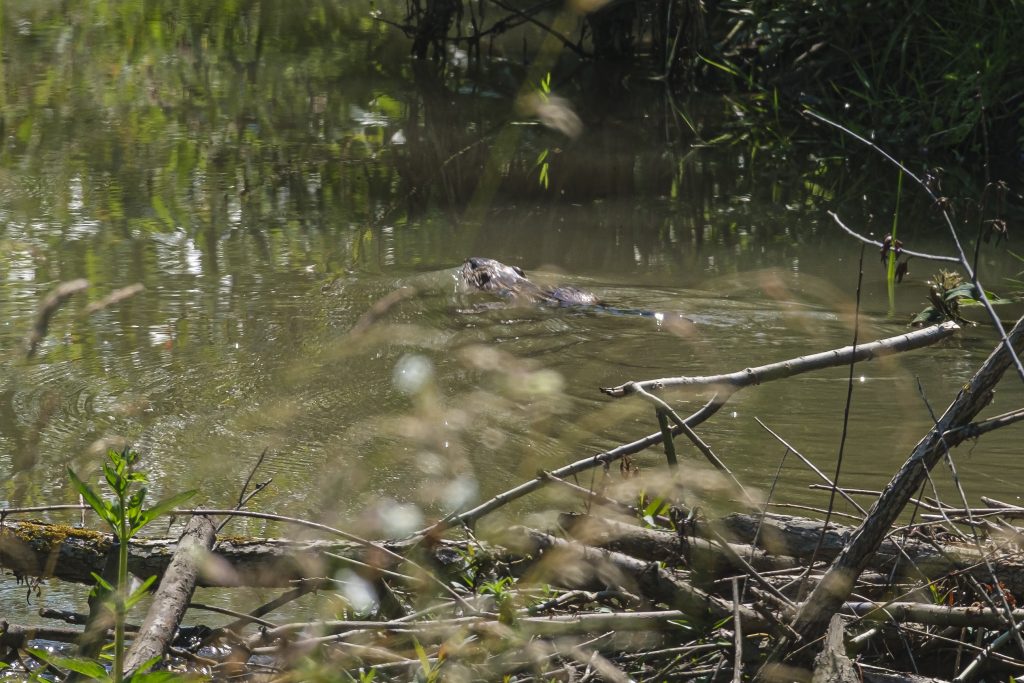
x=172, y=597
x=838, y=582
x=72, y=554
x=573, y=565
x=832, y=665
x=785, y=542
x=657, y=545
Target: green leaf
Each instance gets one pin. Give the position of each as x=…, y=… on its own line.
x=727, y=69
x=160, y=508
x=100, y=581
x=85, y=667
x=654, y=508
x=113, y=478
x=139, y=593
x=102, y=508
x=421, y=654
x=962, y=291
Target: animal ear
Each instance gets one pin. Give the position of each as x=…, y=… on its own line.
x=519, y=271
x=483, y=278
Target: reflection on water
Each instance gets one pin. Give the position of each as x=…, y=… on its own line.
x=269, y=176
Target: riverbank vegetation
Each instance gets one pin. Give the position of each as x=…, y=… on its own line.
x=924, y=77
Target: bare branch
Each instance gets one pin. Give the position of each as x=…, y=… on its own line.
x=876, y=243
x=795, y=366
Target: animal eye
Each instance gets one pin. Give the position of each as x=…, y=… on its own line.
x=519, y=271
x=484, y=278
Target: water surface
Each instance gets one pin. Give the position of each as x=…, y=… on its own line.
x=269, y=174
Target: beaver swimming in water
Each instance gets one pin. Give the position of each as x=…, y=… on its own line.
x=510, y=282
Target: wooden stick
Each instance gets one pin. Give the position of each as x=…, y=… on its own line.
x=796, y=366
x=737, y=634
x=173, y=595
x=837, y=583
x=471, y=516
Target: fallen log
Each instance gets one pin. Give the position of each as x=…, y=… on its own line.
x=573, y=565
x=74, y=554
x=173, y=595
x=785, y=542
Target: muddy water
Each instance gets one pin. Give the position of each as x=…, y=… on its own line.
x=269, y=191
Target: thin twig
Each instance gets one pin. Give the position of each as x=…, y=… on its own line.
x=665, y=409
x=737, y=634
x=867, y=240
x=337, y=532
x=829, y=484
x=469, y=517
x=972, y=275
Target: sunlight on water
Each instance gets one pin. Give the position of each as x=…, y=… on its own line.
x=296, y=212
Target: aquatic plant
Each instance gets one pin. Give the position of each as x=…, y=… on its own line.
x=126, y=515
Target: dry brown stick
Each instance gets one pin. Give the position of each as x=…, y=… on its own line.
x=811, y=508
x=795, y=366
x=838, y=581
x=242, y=618
x=998, y=642
x=654, y=582
x=932, y=615
x=960, y=644
x=737, y=633
x=873, y=493
x=976, y=429
x=867, y=240
x=244, y=498
x=734, y=557
x=172, y=597
x=437, y=630
x=53, y=301
x=605, y=669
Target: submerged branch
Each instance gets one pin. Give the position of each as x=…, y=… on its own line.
x=53, y=301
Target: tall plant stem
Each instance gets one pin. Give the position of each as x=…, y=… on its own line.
x=121, y=591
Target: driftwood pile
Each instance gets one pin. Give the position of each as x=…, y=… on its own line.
x=660, y=593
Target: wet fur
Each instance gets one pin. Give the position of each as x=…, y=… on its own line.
x=511, y=282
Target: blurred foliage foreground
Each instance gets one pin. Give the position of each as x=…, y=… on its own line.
x=653, y=580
